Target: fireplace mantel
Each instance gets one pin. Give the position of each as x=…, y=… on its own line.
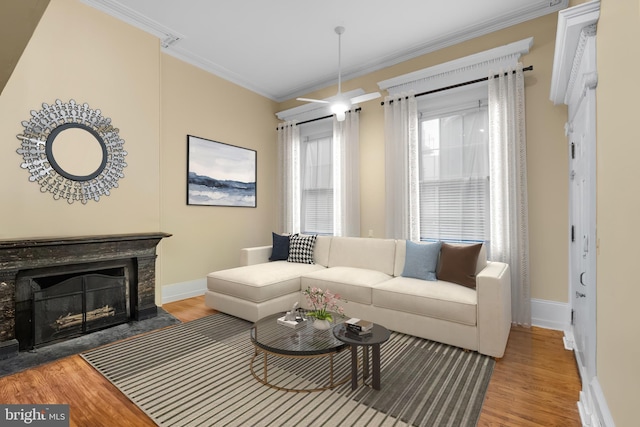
x=20, y=255
x=57, y=241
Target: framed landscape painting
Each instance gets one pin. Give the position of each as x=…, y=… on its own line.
x=220, y=174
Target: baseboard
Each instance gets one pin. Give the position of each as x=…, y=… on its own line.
x=550, y=314
x=183, y=290
x=601, y=409
x=569, y=340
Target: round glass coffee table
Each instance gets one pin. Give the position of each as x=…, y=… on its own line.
x=271, y=338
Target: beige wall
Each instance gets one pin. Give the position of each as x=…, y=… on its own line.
x=79, y=53
x=119, y=69
x=207, y=238
x=546, y=149
x=618, y=204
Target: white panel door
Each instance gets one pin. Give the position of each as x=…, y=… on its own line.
x=582, y=247
x=582, y=211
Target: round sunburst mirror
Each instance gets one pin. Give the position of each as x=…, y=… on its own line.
x=72, y=151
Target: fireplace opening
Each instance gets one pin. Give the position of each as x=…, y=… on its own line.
x=63, y=302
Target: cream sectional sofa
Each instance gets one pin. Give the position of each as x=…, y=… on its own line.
x=367, y=272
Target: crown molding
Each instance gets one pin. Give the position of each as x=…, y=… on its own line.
x=571, y=23
x=170, y=44
x=116, y=9
x=215, y=69
x=533, y=11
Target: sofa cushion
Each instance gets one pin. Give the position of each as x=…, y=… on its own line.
x=440, y=300
x=301, y=248
x=401, y=249
x=421, y=260
x=280, y=247
x=260, y=282
x=458, y=264
x=352, y=284
x=321, y=250
x=362, y=252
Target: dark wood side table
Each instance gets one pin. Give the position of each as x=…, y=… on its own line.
x=379, y=335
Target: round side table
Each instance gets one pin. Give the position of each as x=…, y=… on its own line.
x=379, y=335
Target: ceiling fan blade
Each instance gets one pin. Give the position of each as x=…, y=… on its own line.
x=320, y=101
x=365, y=97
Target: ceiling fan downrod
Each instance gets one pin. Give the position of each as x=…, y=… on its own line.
x=339, y=31
x=340, y=104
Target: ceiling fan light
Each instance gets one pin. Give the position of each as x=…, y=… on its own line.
x=339, y=107
x=341, y=116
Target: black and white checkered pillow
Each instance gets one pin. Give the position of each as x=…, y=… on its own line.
x=301, y=248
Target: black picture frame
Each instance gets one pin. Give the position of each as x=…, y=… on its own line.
x=220, y=174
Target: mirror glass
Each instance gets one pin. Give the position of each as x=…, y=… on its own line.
x=77, y=152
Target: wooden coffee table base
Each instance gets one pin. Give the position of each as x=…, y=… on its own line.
x=379, y=335
x=375, y=366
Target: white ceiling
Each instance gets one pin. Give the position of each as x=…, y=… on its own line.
x=286, y=48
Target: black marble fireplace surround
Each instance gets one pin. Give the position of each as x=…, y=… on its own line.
x=133, y=255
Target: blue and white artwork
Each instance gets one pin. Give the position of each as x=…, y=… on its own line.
x=220, y=174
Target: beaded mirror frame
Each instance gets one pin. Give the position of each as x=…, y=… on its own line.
x=39, y=157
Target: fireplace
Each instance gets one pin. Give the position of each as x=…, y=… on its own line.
x=59, y=288
x=63, y=302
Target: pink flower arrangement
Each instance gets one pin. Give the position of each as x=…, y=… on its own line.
x=322, y=303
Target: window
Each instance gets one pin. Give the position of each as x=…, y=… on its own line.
x=316, y=179
x=464, y=216
x=319, y=176
x=454, y=175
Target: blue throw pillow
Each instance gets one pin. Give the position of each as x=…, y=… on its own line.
x=421, y=260
x=280, y=250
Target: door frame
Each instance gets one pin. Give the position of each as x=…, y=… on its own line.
x=574, y=80
x=582, y=245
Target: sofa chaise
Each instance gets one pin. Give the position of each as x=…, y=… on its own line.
x=371, y=274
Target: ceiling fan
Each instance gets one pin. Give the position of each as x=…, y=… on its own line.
x=340, y=103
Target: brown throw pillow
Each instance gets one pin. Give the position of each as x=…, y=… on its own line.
x=458, y=264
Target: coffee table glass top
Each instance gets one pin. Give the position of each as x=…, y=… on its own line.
x=304, y=341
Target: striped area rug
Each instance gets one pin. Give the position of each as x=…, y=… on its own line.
x=197, y=374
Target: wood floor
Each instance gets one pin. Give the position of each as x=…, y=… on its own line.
x=536, y=383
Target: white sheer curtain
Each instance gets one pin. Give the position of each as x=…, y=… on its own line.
x=288, y=178
x=509, y=206
x=401, y=167
x=346, y=175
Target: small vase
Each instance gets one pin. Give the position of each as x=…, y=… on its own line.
x=321, y=324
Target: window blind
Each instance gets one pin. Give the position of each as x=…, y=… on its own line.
x=316, y=216
x=317, y=211
x=454, y=209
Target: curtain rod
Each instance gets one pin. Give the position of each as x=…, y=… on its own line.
x=470, y=82
x=322, y=118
